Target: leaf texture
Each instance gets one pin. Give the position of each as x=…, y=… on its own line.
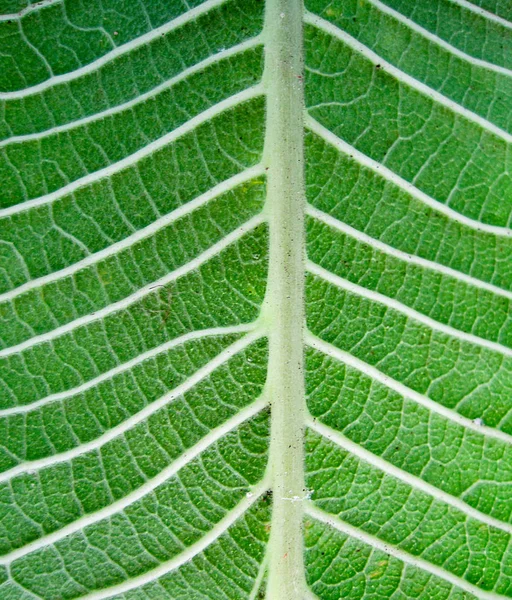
x=183, y=183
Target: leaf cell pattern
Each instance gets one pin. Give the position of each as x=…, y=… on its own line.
x=135, y=421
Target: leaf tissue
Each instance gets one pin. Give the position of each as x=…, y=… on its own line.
x=255, y=299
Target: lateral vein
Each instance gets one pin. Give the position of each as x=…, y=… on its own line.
x=150, y=485
x=29, y=9
x=188, y=554
x=403, y=390
x=410, y=313
x=144, y=291
x=342, y=146
x=185, y=74
x=126, y=366
x=483, y=13
x=186, y=17
x=188, y=127
x=259, y=578
x=420, y=563
x=484, y=64
x=415, y=482
x=225, y=186
x=331, y=221
x=419, y=86
x=140, y=416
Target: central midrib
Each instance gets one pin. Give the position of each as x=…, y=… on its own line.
x=283, y=311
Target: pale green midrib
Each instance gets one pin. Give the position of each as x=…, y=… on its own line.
x=283, y=309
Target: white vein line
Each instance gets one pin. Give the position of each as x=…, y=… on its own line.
x=409, y=258
x=391, y=550
x=336, y=32
x=194, y=264
x=185, y=209
x=259, y=578
x=139, y=417
x=189, y=126
x=193, y=335
x=437, y=40
x=406, y=186
x=407, y=393
x=187, y=554
x=187, y=17
x=415, y=482
x=28, y=9
x=402, y=308
x=483, y=13
x=200, y=66
x=188, y=456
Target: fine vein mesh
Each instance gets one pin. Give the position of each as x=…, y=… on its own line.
x=408, y=442
x=136, y=460
x=133, y=258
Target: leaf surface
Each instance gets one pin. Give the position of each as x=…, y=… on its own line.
x=255, y=300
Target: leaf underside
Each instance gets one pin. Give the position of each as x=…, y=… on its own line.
x=135, y=423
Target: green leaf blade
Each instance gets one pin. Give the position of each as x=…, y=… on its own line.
x=255, y=300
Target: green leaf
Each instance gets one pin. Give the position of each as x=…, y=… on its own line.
x=256, y=299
